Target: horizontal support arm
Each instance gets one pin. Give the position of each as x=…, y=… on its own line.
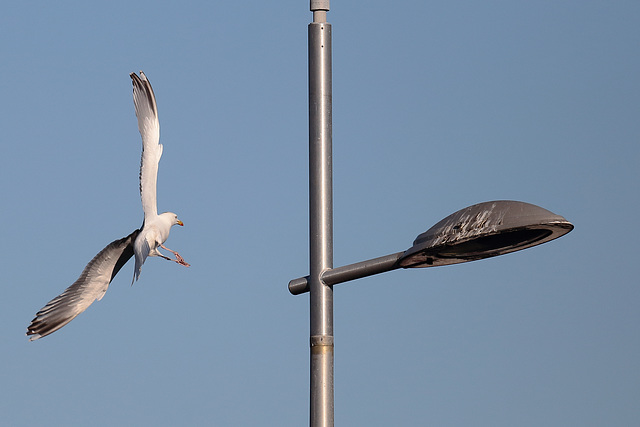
x=349, y=272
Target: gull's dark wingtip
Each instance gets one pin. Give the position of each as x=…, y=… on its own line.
x=142, y=84
x=135, y=78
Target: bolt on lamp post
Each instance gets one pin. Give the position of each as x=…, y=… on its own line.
x=476, y=232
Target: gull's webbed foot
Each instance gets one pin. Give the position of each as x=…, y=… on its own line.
x=178, y=259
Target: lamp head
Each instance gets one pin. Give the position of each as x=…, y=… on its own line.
x=484, y=230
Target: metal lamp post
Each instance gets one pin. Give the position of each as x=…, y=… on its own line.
x=480, y=231
x=320, y=215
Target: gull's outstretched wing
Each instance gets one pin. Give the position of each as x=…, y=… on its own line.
x=149, y=126
x=90, y=286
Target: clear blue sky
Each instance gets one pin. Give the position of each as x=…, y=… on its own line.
x=437, y=105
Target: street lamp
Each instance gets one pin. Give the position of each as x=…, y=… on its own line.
x=476, y=232
x=484, y=230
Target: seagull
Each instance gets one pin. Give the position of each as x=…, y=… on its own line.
x=155, y=228
x=144, y=242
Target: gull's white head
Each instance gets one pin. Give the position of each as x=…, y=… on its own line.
x=173, y=218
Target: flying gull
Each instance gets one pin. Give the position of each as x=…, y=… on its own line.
x=144, y=242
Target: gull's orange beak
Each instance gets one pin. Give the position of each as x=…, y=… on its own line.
x=180, y=223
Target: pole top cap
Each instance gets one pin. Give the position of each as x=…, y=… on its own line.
x=319, y=5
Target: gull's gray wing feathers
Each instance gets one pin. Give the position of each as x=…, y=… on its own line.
x=142, y=250
x=90, y=286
